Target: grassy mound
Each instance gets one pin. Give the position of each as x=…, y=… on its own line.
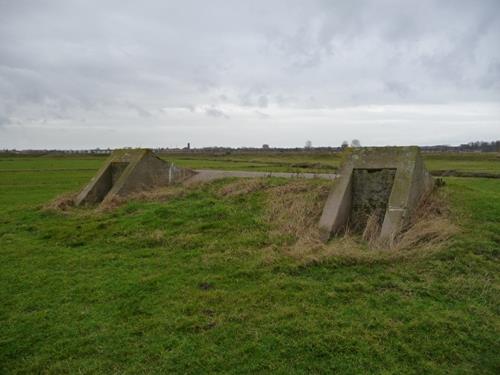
x=227, y=277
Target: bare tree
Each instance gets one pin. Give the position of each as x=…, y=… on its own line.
x=308, y=144
x=355, y=143
x=345, y=144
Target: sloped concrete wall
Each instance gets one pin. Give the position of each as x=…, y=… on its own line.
x=97, y=188
x=411, y=182
x=128, y=171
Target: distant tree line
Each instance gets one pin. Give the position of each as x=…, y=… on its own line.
x=481, y=146
x=478, y=146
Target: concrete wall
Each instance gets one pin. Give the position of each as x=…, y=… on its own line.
x=129, y=171
x=411, y=182
x=371, y=189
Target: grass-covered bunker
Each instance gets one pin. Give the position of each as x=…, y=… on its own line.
x=127, y=171
x=382, y=184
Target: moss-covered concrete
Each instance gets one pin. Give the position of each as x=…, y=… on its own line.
x=411, y=182
x=371, y=189
x=127, y=171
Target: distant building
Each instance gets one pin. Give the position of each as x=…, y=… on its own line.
x=265, y=146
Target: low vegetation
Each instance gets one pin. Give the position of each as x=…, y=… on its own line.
x=229, y=277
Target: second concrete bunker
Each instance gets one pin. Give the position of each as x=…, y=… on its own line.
x=384, y=182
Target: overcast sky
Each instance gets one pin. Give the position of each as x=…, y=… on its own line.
x=80, y=74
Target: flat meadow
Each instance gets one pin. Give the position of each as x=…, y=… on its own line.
x=223, y=277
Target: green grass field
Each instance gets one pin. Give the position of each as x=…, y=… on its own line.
x=262, y=161
x=325, y=162
x=197, y=283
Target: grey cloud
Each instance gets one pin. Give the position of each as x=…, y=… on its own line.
x=399, y=88
x=262, y=101
x=491, y=77
x=4, y=120
x=262, y=115
x=190, y=108
x=140, y=111
x=215, y=112
x=254, y=97
x=67, y=61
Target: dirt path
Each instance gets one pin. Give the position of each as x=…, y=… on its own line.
x=204, y=175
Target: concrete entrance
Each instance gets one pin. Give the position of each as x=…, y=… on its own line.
x=127, y=171
x=384, y=181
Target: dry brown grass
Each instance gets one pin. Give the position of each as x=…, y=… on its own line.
x=243, y=186
x=430, y=226
x=294, y=210
x=65, y=202
x=111, y=204
x=61, y=203
x=372, y=228
x=163, y=194
x=157, y=237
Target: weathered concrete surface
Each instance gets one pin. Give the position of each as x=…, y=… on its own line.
x=205, y=175
x=371, y=189
x=127, y=171
x=131, y=170
x=366, y=167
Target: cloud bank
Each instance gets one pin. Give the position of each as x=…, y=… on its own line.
x=77, y=74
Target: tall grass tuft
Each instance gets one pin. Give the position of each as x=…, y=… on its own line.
x=293, y=210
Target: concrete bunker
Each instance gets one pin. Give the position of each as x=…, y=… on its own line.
x=371, y=189
x=381, y=183
x=128, y=171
